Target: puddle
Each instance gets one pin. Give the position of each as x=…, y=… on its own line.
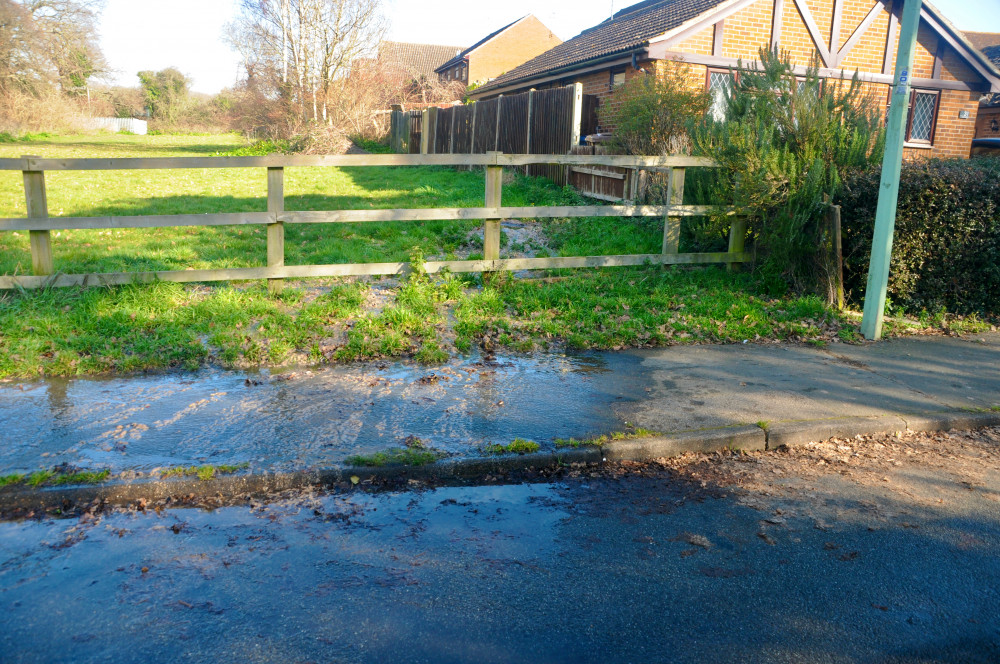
x=307, y=419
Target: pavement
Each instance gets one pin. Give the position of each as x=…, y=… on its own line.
x=298, y=428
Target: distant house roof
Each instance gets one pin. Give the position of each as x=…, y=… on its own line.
x=627, y=29
x=415, y=60
x=982, y=40
x=989, y=45
x=461, y=56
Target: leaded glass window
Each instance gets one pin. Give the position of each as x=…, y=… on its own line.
x=922, y=119
x=720, y=85
x=921, y=116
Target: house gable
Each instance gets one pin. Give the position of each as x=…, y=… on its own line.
x=499, y=51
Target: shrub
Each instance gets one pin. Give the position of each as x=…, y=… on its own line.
x=651, y=112
x=784, y=145
x=946, y=246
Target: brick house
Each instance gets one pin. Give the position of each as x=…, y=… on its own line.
x=949, y=76
x=500, y=51
x=988, y=119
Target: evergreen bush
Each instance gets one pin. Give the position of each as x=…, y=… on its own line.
x=946, y=246
x=784, y=144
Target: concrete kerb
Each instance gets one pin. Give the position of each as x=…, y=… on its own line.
x=791, y=434
x=746, y=438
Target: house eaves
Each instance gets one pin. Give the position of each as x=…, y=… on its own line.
x=631, y=29
x=961, y=43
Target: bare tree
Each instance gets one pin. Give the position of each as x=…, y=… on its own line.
x=66, y=31
x=303, y=48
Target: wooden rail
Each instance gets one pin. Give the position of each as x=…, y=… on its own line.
x=39, y=224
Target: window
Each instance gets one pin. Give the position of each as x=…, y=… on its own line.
x=720, y=85
x=921, y=117
x=617, y=78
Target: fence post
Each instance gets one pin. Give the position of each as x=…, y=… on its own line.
x=38, y=208
x=276, y=230
x=838, y=253
x=737, y=235
x=451, y=132
x=496, y=138
x=576, y=122
x=472, y=132
x=672, y=223
x=531, y=111
x=491, y=227
x=424, y=129
x=577, y=114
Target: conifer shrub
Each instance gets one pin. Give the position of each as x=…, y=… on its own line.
x=785, y=142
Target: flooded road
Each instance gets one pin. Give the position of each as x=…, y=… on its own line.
x=724, y=560
x=306, y=419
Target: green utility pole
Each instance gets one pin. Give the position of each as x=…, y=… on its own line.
x=885, y=215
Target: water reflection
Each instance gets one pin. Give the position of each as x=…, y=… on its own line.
x=302, y=418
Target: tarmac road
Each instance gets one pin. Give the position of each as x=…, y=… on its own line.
x=876, y=549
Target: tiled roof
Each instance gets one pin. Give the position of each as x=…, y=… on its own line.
x=628, y=29
x=458, y=58
x=415, y=60
x=982, y=40
x=993, y=53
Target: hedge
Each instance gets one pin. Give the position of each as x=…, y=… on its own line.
x=946, y=248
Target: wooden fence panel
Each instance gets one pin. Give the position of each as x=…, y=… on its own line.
x=415, y=129
x=442, y=134
x=513, y=130
x=588, y=124
x=606, y=183
x=463, y=130
x=485, y=138
x=551, y=130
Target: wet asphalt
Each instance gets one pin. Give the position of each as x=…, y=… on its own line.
x=611, y=568
x=298, y=419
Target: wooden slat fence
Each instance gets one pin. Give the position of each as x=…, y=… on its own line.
x=606, y=183
x=39, y=224
x=541, y=122
x=415, y=119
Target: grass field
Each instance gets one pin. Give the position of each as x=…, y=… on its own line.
x=73, y=331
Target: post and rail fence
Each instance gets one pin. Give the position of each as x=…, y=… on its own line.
x=40, y=225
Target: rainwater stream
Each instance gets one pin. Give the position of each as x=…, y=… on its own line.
x=300, y=419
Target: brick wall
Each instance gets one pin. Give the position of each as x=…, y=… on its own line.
x=749, y=29
x=513, y=47
x=984, y=122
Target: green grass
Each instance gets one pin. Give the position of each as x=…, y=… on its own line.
x=163, y=325
x=516, y=446
x=192, y=191
x=205, y=472
x=652, y=306
x=15, y=478
x=372, y=146
x=631, y=434
x=56, y=478
x=397, y=456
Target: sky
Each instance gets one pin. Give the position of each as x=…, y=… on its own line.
x=188, y=34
